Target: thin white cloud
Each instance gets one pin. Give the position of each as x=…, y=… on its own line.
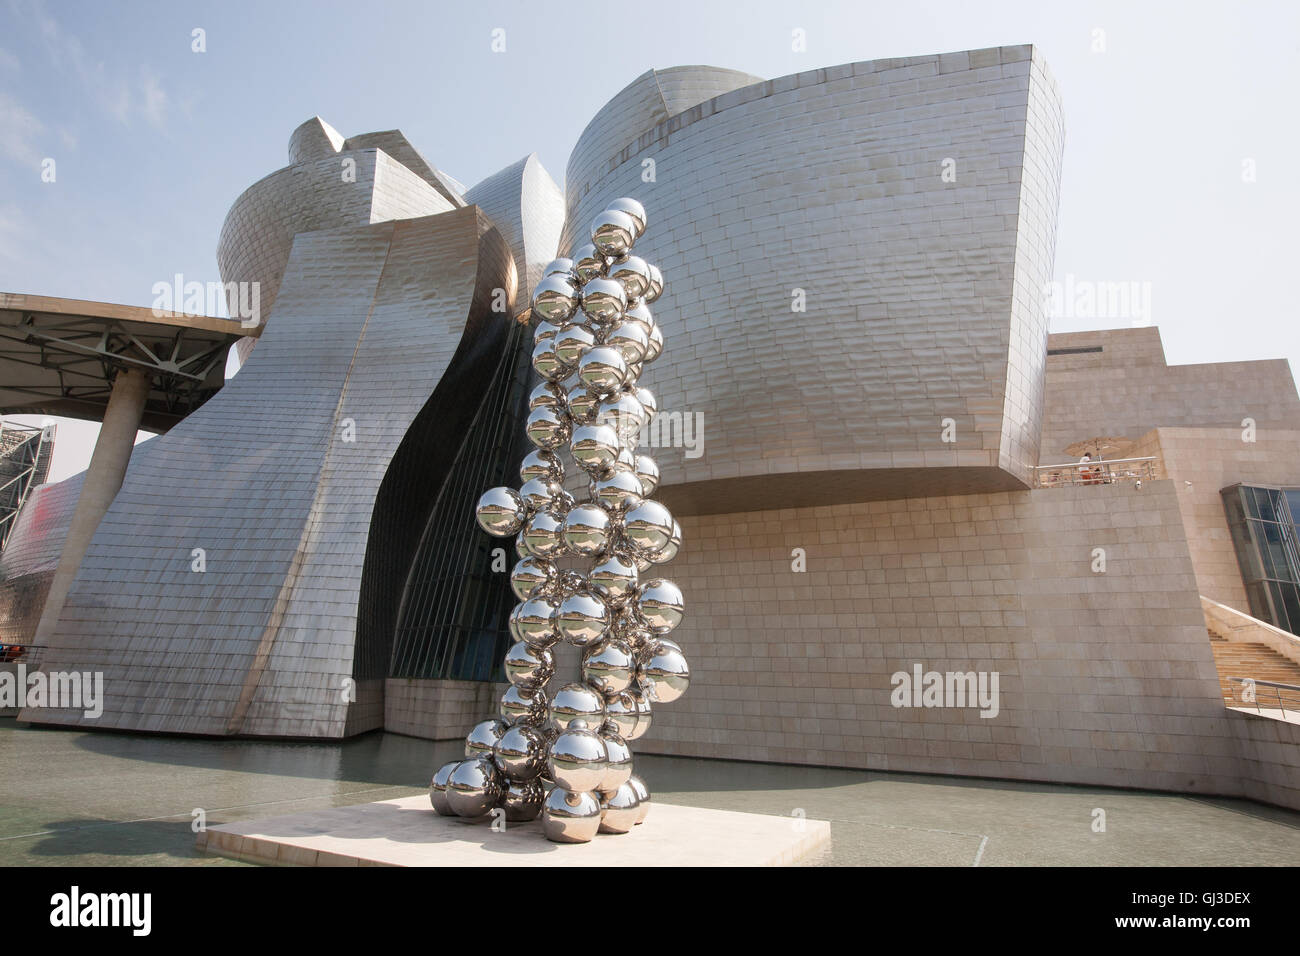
x=8, y=61
x=113, y=91
x=19, y=133
x=154, y=106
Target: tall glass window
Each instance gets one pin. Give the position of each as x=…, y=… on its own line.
x=1265, y=535
x=452, y=623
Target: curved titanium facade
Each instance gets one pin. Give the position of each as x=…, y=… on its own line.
x=827, y=190
x=313, y=194
x=248, y=576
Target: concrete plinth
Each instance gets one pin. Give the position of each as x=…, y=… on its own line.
x=406, y=832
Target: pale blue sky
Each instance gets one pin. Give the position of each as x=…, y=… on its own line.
x=153, y=142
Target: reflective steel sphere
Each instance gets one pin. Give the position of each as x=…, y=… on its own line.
x=542, y=534
x=594, y=447
x=634, y=273
x=634, y=210
x=438, y=789
x=533, y=622
x=546, y=331
x=621, y=716
x=648, y=471
x=647, y=650
x=638, y=313
x=648, y=527
x=546, y=362
x=576, y=702
x=656, y=284
x=659, y=605
x=555, y=298
x=484, y=737
x=613, y=232
x=617, y=493
x=643, y=794
x=547, y=428
x=529, y=574
x=649, y=403
x=602, y=370
x=604, y=301
x=572, y=344
x=643, y=714
x=618, y=762
x=529, y=667
x=501, y=511
x=588, y=264
x=671, y=548
x=474, y=787
x=665, y=674
x=521, y=548
x=626, y=460
x=582, y=618
x=559, y=266
x=582, y=404
x=539, y=493
x=586, y=529
x=609, y=667
x=656, y=346
x=570, y=817
x=548, y=394
x=521, y=752
x=620, y=810
x=614, y=579
x=522, y=800
x=577, y=760
x=631, y=341
x=543, y=464
x=523, y=707
x=624, y=414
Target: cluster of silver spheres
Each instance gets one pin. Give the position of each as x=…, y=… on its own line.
x=584, y=575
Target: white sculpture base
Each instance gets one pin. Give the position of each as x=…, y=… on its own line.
x=406, y=832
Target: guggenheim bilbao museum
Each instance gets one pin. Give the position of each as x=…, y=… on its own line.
x=868, y=436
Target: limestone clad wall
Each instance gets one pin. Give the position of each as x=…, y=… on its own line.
x=1104, y=678
x=1201, y=462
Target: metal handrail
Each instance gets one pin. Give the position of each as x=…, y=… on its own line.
x=1099, y=472
x=1277, y=688
x=1099, y=461
x=20, y=653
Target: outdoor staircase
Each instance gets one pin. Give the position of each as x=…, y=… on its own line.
x=1257, y=661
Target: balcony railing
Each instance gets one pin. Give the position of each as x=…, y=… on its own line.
x=1097, y=472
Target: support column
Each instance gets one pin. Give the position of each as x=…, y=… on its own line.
x=103, y=479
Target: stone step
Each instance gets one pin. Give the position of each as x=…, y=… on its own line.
x=1258, y=661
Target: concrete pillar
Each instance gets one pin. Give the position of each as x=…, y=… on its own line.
x=103, y=479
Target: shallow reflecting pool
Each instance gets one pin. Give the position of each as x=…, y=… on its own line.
x=71, y=797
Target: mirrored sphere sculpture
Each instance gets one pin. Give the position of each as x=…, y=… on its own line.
x=583, y=575
x=570, y=816
x=438, y=789
x=620, y=810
